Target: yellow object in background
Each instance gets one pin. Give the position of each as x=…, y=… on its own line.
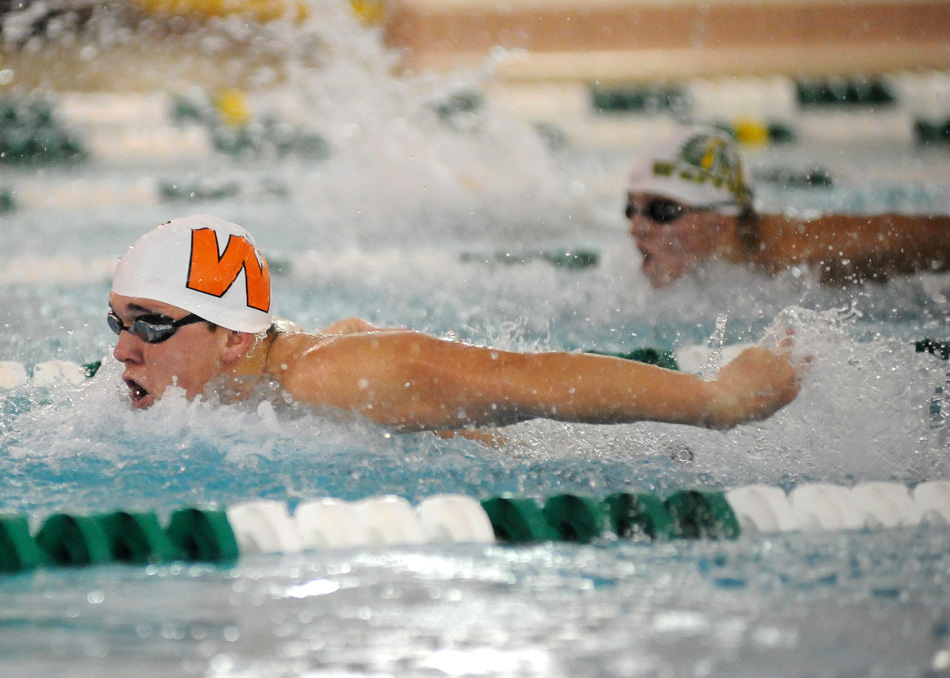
x=261, y=11
x=372, y=12
x=232, y=107
x=751, y=132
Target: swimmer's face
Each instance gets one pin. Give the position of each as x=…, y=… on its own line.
x=193, y=355
x=673, y=239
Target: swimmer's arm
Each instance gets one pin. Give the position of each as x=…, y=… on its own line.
x=415, y=382
x=852, y=248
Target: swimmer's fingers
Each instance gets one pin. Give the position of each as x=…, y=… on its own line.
x=788, y=342
x=778, y=339
x=787, y=346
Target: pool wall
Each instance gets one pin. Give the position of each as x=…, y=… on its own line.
x=611, y=41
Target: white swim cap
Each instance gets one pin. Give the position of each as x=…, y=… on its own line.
x=700, y=167
x=204, y=265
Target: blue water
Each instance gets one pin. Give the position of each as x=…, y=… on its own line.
x=401, y=225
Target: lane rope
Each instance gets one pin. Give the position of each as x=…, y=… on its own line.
x=222, y=535
x=111, y=127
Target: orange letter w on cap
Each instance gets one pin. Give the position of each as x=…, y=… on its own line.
x=214, y=275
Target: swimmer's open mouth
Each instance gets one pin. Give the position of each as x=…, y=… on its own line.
x=136, y=391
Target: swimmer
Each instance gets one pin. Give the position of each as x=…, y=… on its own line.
x=690, y=201
x=190, y=303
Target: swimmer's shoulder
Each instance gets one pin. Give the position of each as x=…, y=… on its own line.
x=350, y=326
x=289, y=342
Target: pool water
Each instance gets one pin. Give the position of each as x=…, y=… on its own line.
x=443, y=226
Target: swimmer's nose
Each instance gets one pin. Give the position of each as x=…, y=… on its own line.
x=128, y=348
x=639, y=226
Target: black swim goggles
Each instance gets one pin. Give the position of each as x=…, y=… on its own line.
x=152, y=328
x=658, y=211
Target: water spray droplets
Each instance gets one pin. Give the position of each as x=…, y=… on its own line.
x=714, y=359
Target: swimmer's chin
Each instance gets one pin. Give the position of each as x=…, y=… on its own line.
x=661, y=276
x=658, y=278
x=651, y=270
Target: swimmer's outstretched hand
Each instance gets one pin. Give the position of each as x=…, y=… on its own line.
x=755, y=385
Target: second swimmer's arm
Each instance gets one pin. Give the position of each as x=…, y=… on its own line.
x=851, y=248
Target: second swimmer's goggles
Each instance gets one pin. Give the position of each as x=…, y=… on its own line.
x=152, y=328
x=661, y=211
x=658, y=211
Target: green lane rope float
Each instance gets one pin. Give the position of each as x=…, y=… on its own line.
x=74, y=540
x=575, y=258
x=518, y=519
x=576, y=517
x=932, y=131
x=30, y=133
x=18, y=550
x=650, y=99
x=221, y=536
x=234, y=131
x=640, y=515
x=838, y=91
x=699, y=514
x=7, y=201
x=203, y=534
x=137, y=537
x=815, y=177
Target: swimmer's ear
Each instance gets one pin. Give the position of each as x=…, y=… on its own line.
x=236, y=345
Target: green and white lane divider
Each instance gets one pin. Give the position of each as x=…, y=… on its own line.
x=76, y=127
x=222, y=535
x=72, y=127
x=907, y=107
x=81, y=192
x=49, y=373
